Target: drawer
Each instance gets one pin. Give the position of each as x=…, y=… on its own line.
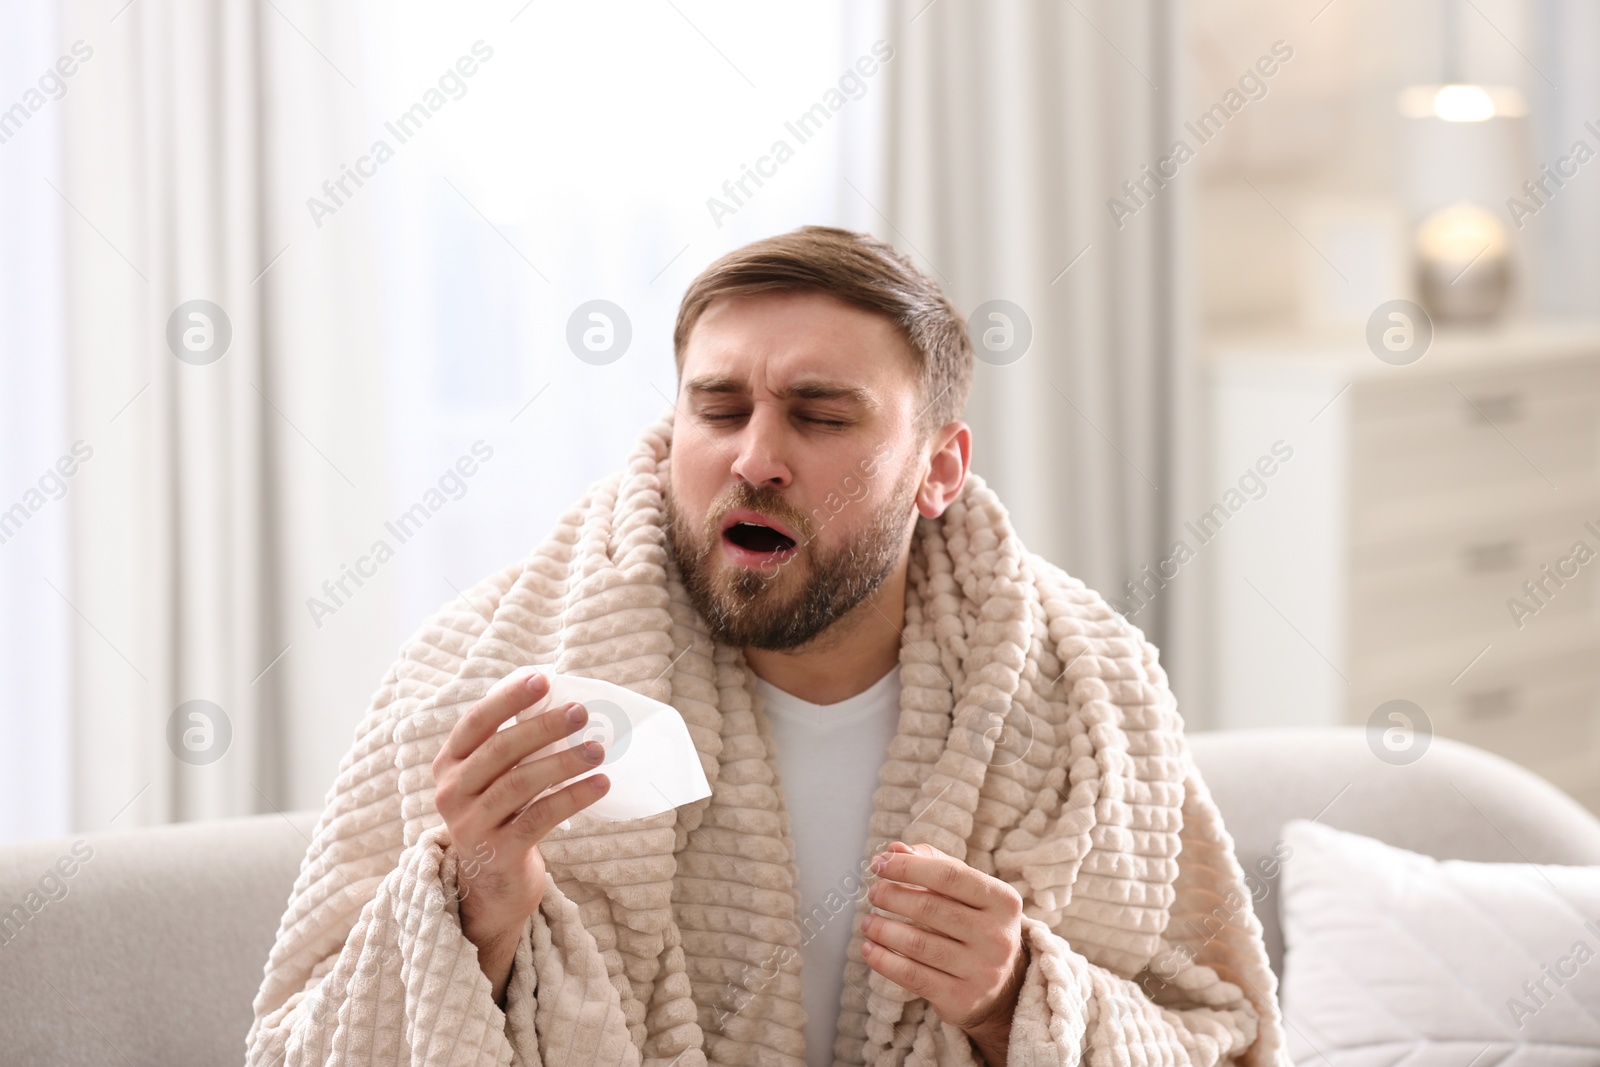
x=1557, y=648
x=1376, y=524
x=1478, y=439
x=1505, y=395
x=1464, y=581
x=1532, y=721
x=1541, y=717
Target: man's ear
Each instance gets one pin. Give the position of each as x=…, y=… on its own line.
x=947, y=467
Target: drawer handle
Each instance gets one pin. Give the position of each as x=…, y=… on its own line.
x=1490, y=703
x=1490, y=557
x=1494, y=408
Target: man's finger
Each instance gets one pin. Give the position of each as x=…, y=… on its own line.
x=932, y=911
x=941, y=873
x=535, y=821
x=929, y=949
x=519, y=690
x=513, y=790
x=916, y=978
x=515, y=743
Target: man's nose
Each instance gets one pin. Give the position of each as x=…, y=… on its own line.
x=760, y=456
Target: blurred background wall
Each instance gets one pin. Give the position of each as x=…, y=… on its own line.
x=272, y=274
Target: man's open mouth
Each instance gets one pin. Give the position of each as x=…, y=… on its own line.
x=746, y=530
x=756, y=538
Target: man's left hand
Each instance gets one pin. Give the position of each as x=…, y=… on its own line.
x=969, y=961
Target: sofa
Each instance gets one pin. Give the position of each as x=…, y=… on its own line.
x=150, y=945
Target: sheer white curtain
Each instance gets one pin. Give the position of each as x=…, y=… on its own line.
x=216, y=343
x=35, y=499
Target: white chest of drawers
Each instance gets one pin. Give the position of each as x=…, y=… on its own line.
x=1434, y=538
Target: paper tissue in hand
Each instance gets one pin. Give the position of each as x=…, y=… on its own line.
x=649, y=758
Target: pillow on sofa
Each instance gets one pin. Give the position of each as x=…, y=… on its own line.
x=1391, y=956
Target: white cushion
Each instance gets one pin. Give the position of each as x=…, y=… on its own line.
x=1392, y=956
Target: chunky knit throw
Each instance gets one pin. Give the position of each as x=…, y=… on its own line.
x=674, y=940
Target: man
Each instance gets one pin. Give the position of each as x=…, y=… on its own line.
x=801, y=563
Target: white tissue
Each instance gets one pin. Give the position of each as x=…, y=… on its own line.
x=649, y=758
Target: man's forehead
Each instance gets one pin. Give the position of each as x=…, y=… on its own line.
x=797, y=345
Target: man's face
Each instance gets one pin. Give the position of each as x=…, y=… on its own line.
x=795, y=415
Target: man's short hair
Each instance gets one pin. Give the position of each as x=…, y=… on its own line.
x=861, y=270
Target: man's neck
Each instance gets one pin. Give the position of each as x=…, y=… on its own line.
x=848, y=657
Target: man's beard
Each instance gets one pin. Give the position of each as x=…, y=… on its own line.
x=746, y=607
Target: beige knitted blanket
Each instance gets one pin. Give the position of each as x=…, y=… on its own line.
x=674, y=939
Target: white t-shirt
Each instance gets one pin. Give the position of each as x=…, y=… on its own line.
x=828, y=756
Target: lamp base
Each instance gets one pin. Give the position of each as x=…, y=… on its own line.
x=1474, y=295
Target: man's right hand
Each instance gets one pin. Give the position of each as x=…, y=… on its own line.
x=484, y=797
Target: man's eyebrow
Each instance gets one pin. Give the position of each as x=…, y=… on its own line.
x=805, y=389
